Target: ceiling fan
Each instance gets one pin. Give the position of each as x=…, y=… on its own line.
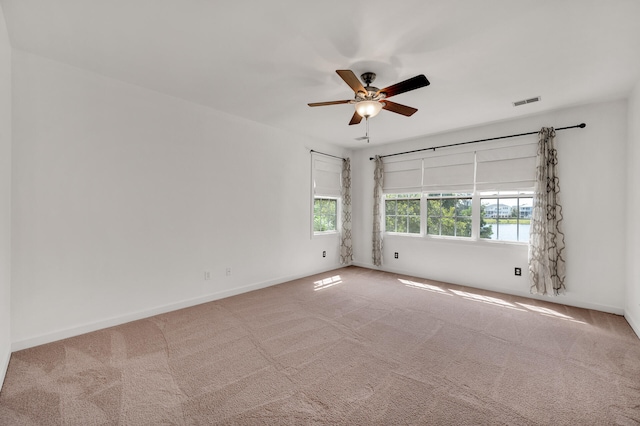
x=370, y=100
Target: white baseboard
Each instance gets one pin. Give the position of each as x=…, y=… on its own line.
x=110, y=322
x=122, y=319
x=4, y=365
x=564, y=299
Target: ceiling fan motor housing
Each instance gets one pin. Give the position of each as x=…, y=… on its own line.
x=368, y=78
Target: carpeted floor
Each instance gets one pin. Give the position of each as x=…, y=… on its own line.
x=353, y=346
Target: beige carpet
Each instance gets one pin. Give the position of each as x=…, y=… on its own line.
x=353, y=346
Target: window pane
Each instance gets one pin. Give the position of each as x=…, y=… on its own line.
x=402, y=224
x=509, y=208
x=448, y=225
x=390, y=207
x=413, y=207
x=332, y=207
x=400, y=211
x=448, y=206
x=523, y=235
x=463, y=227
x=414, y=224
x=325, y=214
x=433, y=226
x=390, y=224
x=331, y=223
x=433, y=208
x=486, y=230
x=463, y=207
x=526, y=204
x=489, y=208
x=506, y=219
x=402, y=208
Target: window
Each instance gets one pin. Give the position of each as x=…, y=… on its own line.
x=402, y=213
x=325, y=214
x=478, y=195
x=326, y=181
x=449, y=214
x=506, y=216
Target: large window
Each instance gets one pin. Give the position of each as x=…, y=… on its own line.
x=479, y=195
x=449, y=215
x=325, y=214
x=402, y=213
x=508, y=215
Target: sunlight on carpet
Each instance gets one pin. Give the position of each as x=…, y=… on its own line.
x=495, y=301
x=327, y=282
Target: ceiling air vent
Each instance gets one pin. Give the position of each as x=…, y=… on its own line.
x=526, y=101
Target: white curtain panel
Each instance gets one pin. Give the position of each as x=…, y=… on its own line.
x=346, y=245
x=546, y=240
x=378, y=177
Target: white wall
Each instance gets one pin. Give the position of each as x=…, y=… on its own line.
x=5, y=198
x=593, y=183
x=632, y=308
x=123, y=197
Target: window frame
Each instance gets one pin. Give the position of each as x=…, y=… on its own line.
x=506, y=195
x=410, y=196
x=449, y=196
x=475, y=198
x=338, y=215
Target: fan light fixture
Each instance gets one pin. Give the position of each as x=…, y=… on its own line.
x=368, y=109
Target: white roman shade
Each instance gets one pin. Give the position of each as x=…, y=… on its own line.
x=508, y=168
x=326, y=175
x=403, y=176
x=448, y=173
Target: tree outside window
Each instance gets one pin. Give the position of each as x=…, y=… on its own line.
x=325, y=214
x=402, y=213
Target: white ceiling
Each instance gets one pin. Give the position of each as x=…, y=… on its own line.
x=266, y=60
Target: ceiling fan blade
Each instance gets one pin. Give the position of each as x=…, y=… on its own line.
x=398, y=108
x=315, y=104
x=350, y=78
x=356, y=119
x=405, y=86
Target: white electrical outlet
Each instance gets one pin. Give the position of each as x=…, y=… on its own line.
x=207, y=275
x=228, y=271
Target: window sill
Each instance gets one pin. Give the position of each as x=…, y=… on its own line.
x=457, y=240
x=325, y=233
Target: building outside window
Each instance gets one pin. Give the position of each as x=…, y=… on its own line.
x=508, y=216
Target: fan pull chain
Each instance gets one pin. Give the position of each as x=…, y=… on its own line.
x=367, y=134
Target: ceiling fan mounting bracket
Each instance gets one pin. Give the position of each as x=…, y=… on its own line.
x=368, y=77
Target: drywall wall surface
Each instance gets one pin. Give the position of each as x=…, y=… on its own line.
x=592, y=168
x=5, y=198
x=125, y=198
x=632, y=307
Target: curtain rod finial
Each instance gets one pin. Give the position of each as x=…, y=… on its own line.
x=582, y=125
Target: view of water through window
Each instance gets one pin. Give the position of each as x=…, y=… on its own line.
x=509, y=232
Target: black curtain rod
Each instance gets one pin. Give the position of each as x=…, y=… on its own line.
x=581, y=125
x=328, y=155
